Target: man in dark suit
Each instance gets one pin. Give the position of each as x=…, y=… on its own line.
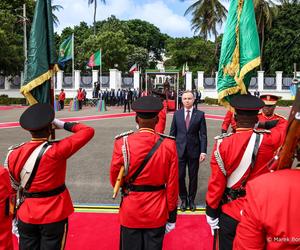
x=189, y=128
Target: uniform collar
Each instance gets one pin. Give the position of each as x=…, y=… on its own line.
x=268, y=117
x=147, y=130
x=243, y=129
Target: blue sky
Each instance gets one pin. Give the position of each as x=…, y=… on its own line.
x=167, y=15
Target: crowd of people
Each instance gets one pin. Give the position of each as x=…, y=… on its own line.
x=240, y=202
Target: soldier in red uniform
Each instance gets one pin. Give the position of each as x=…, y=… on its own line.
x=5, y=216
x=237, y=158
x=229, y=120
x=149, y=203
x=39, y=166
x=268, y=114
x=268, y=222
x=61, y=99
x=162, y=117
x=80, y=97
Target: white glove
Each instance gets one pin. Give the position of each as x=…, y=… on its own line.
x=169, y=227
x=58, y=123
x=213, y=223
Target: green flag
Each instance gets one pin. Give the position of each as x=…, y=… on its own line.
x=66, y=50
x=41, y=55
x=95, y=59
x=240, y=52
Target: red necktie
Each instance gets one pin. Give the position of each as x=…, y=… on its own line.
x=187, y=119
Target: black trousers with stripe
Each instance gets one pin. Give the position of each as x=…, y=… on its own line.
x=50, y=236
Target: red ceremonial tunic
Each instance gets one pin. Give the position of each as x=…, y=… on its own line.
x=282, y=122
x=5, y=219
x=62, y=96
x=51, y=174
x=162, y=116
x=80, y=95
x=229, y=120
x=271, y=218
x=147, y=209
x=232, y=149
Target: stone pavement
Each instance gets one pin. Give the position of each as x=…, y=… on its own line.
x=88, y=170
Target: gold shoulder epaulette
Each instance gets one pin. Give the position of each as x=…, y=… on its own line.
x=281, y=116
x=167, y=136
x=16, y=146
x=262, y=131
x=218, y=137
x=123, y=134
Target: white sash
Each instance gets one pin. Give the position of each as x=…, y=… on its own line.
x=28, y=166
x=245, y=163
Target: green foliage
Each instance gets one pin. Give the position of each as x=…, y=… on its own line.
x=282, y=48
x=196, y=51
x=211, y=101
x=5, y=100
x=11, y=35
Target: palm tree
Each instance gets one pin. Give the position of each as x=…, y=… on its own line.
x=265, y=11
x=206, y=16
x=95, y=10
x=55, y=18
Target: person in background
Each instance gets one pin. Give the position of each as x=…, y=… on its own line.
x=6, y=242
x=256, y=93
x=45, y=202
x=229, y=120
x=80, y=97
x=195, y=104
x=189, y=129
x=268, y=113
x=148, y=208
x=61, y=99
x=162, y=118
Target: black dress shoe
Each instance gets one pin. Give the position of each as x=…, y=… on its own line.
x=183, y=205
x=192, y=206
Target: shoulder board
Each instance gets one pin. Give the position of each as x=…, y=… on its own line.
x=262, y=131
x=124, y=134
x=16, y=146
x=166, y=136
x=281, y=116
x=218, y=137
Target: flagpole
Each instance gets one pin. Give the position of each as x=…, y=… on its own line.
x=100, y=68
x=73, y=59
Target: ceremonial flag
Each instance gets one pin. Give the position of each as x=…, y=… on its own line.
x=240, y=52
x=185, y=69
x=41, y=55
x=95, y=59
x=133, y=68
x=66, y=51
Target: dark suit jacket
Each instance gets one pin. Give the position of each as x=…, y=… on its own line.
x=193, y=140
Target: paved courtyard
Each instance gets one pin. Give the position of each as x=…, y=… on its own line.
x=88, y=169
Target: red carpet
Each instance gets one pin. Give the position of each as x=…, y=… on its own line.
x=100, y=231
x=5, y=125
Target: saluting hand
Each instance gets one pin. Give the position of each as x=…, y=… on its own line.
x=58, y=124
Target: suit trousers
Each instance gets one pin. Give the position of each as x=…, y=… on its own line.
x=142, y=238
x=50, y=236
x=126, y=104
x=193, y=167
x=227, y=231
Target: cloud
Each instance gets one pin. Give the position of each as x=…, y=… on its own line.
x=162, y=14
x=163, y=17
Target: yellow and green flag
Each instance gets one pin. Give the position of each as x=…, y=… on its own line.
x=41, y=63
x=240, y=51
